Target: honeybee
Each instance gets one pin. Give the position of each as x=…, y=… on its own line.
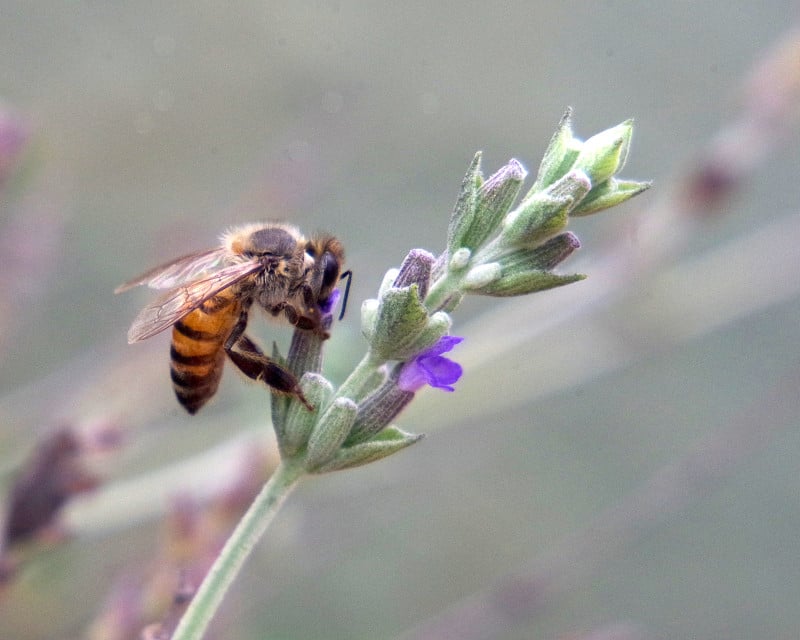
x=209, y=297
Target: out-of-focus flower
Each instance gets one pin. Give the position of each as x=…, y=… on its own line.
x=54, y=474
x=13, y=136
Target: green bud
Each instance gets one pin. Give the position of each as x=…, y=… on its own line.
x=299, y=420
x=330, y=432
x=379, y=409
x=465, y=205
x=609, y=194
x=279, y=403
x=389, y=441
x=545, y=213
x=460, y=259
x=305, y=352
x=544, y=257
x=559, y=156
x=604, y=154
x=401, y=317
x=481, y=276
x=554, y=251
x=369, y=317
x=438, y=325
x=388, y=281
x=375, y=380
x=523, y=283
x=526, y=270
x=416, y=269
x=493, y=201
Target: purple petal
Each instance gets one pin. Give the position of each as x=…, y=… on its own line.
x=441, y=372
x=412, y=377
x=430, y=367
x=445, y=344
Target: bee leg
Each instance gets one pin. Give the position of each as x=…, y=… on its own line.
x=312, y=322
x=252, y=362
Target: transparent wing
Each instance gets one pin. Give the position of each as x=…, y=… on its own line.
x=178, y=272
x=174, y=305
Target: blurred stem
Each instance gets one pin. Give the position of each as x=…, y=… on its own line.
x=237, y=549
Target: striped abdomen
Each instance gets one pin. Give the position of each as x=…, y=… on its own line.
x=197, y=354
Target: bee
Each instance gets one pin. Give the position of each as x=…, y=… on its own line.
x=210, y=293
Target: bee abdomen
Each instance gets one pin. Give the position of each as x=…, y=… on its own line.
x=197, y=355
x=195, y=384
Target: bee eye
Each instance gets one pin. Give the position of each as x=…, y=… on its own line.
x=330, y=273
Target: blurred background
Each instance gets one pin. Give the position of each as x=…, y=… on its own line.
x=620, y=459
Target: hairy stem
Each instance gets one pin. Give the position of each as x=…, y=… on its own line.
x=236, y=551
x=353, y=387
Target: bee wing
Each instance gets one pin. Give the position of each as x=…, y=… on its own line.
x=177, y=272
x=175, y=304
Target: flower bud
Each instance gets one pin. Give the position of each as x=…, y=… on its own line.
x=544, y=257
x=609, y=194
x=378, y=410
x=416, y=269
x=369, y=316
x=559, y=156
x=400, y=318
x=299, y=420
x=604, y=154
x=544, y=214
x=388, y=281
x=465, y=204
x=481, y=276
x=390, y=440
x=493, y=200
x=438, y=325
x=523, y=283
x=460, y=259
x=526, y=271
x=330, y=432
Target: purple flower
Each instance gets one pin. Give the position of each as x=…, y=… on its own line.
x=430, y=367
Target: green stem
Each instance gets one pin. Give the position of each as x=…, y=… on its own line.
x=236, y=550
x=440, y=291
x=354, y=385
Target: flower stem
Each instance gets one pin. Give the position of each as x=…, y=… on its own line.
x=440, y=291
x=236, y=550
x=353, y=387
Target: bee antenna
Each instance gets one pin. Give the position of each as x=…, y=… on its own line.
x=349, y=275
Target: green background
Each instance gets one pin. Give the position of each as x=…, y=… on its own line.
x=563, y=453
